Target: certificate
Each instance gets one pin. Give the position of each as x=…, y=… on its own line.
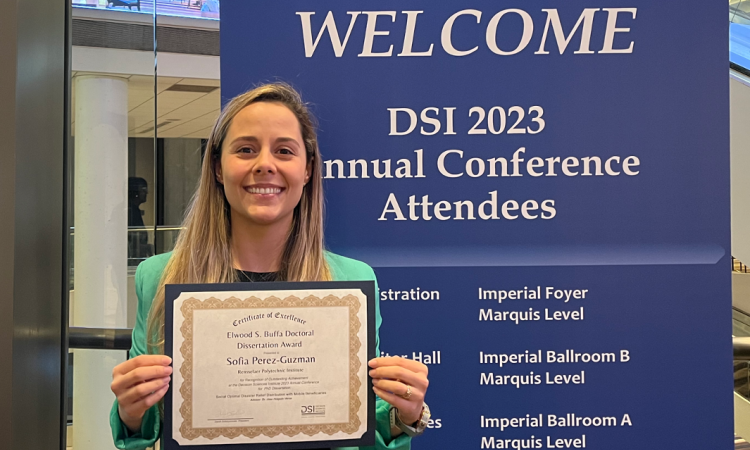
x=270, y=365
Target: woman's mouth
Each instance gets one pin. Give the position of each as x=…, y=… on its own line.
x=263, y=190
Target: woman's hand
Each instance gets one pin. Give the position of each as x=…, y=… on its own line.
x=138, y=384
x=402, y=383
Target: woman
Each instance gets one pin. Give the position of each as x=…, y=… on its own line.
x=257, y=215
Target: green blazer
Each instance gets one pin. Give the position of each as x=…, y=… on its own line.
x=147, y=278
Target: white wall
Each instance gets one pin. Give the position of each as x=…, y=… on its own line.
x=739, y=119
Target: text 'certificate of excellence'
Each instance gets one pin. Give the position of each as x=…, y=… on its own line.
x=270, y=365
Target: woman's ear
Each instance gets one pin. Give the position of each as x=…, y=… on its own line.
x=308, y=171
x=217, y=171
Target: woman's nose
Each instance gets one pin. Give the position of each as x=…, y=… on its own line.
x=264, y=162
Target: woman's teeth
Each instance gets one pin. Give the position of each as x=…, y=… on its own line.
x=255, y=190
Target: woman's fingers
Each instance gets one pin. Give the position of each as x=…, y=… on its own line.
x=138, y=384
x=138, y=409
x=142, y=390
x=410, y=364
x=408, y=410
x=394, y=377
x=138, y=376
x=141, y=361
x=402, y=374
x=139, y=369
x=400, y=389
x=392, y=398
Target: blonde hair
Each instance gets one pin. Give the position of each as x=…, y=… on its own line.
x=203, y=252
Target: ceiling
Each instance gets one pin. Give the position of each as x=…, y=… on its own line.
x=187, y=107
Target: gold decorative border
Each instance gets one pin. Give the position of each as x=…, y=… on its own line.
x=186, y=349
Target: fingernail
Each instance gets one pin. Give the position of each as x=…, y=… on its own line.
x=165, y=380
x=167, y=370
x=371, y=373
x=372, y=362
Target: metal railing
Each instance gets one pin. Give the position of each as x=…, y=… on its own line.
x=741, y=348
x=738, y=266
x=100, y=338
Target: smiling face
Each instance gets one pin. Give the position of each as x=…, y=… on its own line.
x=263, y=166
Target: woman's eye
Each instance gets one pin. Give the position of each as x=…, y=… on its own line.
x=244, y=150
x=286, y=151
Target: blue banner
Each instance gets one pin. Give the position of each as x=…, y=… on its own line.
x=543, y=190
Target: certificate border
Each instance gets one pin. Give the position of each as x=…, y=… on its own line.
x=188, y=308
x=172, y=292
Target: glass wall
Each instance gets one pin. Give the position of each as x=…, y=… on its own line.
x=136, y=149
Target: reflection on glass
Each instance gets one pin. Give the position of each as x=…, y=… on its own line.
x=138, y=245
x=738, y=11
x=739, y=33
x=206, y=9
x=129, y=189
x=91, y=431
